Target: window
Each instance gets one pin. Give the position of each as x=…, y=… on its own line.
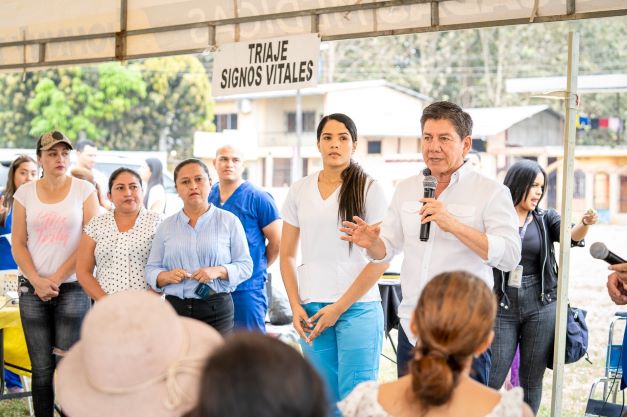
x=225, y=121
x=601, y=191
x=374, y=147
x=282, y=172
x=623, y=194
x=579, y=186
x=480, y=145
x=551, y=187
x=309, y=121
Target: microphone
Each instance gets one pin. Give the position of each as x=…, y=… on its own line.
x=599, y=250
x=428, y=183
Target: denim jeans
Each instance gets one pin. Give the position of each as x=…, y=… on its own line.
x=347, y=353
x=480, y=368
x=48, y=325
x=217, y=311
x=531, y=324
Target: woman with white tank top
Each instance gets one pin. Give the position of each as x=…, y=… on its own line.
x=48, y=218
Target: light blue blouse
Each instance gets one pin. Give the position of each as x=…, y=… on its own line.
x=217, y=240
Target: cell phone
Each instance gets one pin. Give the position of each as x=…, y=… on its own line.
x=204, y=291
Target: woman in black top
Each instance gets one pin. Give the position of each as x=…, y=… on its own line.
x=526, y=296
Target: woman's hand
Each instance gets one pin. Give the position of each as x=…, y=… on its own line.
x=174, y=276
x=325, y=317
x=210, y=273
x=301, y=322
x=360, y=233
x=46, y=289
x=590, y=217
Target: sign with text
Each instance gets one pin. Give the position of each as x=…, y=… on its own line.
x=266, y=65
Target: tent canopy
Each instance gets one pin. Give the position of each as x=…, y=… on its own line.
x=43, y=33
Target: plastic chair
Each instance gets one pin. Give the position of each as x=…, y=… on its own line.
x=607, y=405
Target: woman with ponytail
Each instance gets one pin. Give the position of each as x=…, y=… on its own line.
x=337, y=312
x=453, y=322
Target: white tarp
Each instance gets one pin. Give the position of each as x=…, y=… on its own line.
x=39, y=33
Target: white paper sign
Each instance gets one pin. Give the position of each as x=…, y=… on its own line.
x=283, y=63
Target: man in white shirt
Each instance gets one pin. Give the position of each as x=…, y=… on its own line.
x=86, y=153
x=473, y=222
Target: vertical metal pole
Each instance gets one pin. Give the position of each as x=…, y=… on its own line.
x=567, y=200
x=298, y=164
x=619, y=131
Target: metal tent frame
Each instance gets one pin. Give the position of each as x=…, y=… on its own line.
x=46, y=33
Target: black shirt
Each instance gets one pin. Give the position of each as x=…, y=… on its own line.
x=531, y=257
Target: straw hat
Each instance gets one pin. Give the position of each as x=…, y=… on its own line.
x=136, y=357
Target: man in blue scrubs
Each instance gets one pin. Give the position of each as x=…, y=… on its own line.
x=259, y=215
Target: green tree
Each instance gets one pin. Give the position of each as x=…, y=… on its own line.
x=60, y=104
x=178, y=103
x=114, y=105
x=15, y=119
x=91, y=100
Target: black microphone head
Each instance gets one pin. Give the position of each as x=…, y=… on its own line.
x=426, y=172
x=430, y=182
x=598, y=250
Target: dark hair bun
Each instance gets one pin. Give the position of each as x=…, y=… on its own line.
x=434, y=377
x=453, y=320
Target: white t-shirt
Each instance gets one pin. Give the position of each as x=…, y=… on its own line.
x=121, y=256
x=363, y=402
x=53, y=230
x=328, y=269
x=156, y=193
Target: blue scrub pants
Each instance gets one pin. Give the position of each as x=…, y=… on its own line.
x=348, y=353
x=250, y=309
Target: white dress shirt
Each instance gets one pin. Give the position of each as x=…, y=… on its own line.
x=474, y=200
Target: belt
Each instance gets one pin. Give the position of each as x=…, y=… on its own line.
x=210, y=298
x=22, y=280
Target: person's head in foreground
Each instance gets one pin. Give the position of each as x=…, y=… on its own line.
x=453, y=322
x=136, y=357
x=253, y=375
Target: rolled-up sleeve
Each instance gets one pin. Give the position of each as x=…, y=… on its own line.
x=154, y=266
x=241, y=266
x=501, y=228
